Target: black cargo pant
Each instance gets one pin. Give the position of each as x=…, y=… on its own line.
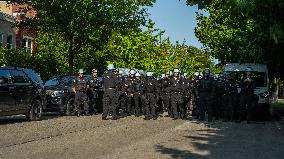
x=130, y=105
x=137, y=103
x=150, y=105
x=81, y=98
x=94, y=101
x=109, y=103
x=247, y=104
x=205, y=106
x=195, y=105
x=218, y=106
x=166, y=103
x=229, y=106
x=177, y=105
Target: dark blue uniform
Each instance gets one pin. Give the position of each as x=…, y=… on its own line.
x=150, y=99
x=110, y=101
x=177, y=105
x=248, y=99
x=205, y=95
x=94, y=85
x=81, y=98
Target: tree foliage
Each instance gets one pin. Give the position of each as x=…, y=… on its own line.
x=87, y=22
x=15, y=57
x=144, y=50
x=243, y=31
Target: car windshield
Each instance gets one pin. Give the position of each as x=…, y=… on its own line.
x=59, y=81
x=259, y=77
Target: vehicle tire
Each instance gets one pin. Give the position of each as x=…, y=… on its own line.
x=70, y=107
x=35, y=112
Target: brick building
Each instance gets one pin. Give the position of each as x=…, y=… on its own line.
x=11, y=36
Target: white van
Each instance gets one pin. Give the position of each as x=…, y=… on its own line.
x=260, y=74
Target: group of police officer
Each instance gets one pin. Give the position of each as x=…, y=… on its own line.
x=126, y=94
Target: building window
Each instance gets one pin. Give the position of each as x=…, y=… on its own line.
x=10, y=41
x=27, y=44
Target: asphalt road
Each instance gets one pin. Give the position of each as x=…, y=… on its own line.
x=89, y=137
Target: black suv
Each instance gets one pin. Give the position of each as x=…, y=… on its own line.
x=21, y=92
x=60, y=96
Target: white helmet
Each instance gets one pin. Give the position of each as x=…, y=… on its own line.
x=196, y=74
x=110, y=67
x=149, y=74
x=176, y=70
x=132, y=72
x=137, y=74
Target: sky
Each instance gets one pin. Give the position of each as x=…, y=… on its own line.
x=177, y=20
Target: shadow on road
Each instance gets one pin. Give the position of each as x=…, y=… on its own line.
x=260, y=140
x=22, y=118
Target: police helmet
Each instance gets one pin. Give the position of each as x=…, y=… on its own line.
x=206, y=71
x=94, y=70
x=176, y=70
x=221, y=75
x=132, y=72
x=116, y=70
x=149, y=74
x=110, y=67
x=196, y=74
x=81, y=70
x=168, y=72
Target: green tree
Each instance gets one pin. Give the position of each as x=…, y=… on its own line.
x=243, y=31
x=87, y=22
x=16, y=58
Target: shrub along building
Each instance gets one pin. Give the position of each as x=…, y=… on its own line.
x=12, y=36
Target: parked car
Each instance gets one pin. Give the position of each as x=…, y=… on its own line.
x=21, y=92
x=60, y=96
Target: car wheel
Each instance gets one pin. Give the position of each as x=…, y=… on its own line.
x=35, y=112
x=70, y=107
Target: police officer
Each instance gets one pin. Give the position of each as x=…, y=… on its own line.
x=176, y=96
x=166, y=93
x=247, y=97
x=94, y=85
x=137, y=94
x=130, y=83
x=195, y=82
x=187, y=93
x=230, y=99
x=219, y=93
x=109, y=101
x=205, y=95
x=80, y=89
x=150, y=97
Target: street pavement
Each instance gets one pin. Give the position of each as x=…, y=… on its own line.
x=89, y=137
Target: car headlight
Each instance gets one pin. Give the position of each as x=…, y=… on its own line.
x=57, y=93
x=264, y=95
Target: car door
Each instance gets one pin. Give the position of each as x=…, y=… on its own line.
x=23, y=89
x=7, y=100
